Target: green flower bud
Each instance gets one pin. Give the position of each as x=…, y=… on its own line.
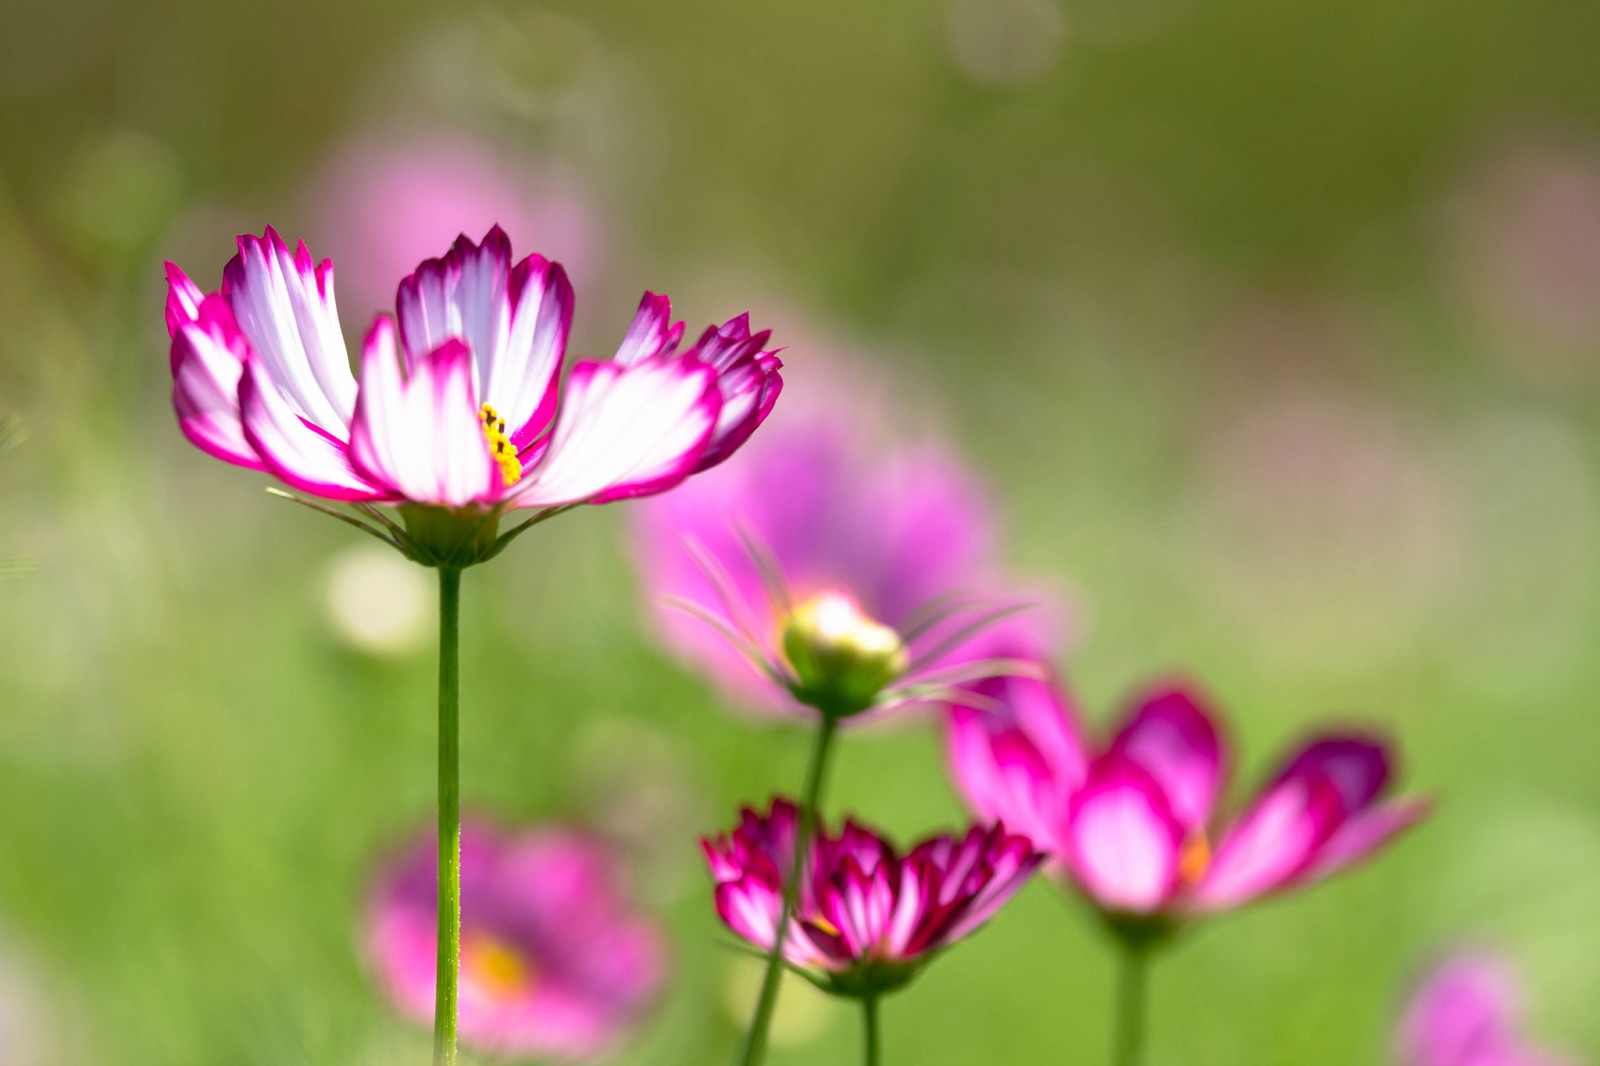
x=842, y=659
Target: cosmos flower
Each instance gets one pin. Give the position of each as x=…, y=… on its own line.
x=1467, y=1013
x=812, y=556
x=553, y=963
x=1138, y=824
x=868, y=918
x=459, y=410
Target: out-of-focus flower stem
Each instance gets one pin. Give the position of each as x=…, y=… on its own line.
x=449, y=957
x=1132, y=983
x=755, y=1043
x=869, y=1023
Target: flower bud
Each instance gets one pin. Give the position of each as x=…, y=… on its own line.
x=841, y=657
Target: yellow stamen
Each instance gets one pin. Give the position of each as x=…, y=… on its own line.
x=822, y=923
x=500, y=446
x=1195, y=859
x=501, y=970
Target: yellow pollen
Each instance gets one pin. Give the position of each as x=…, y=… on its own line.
x=822, y=923
x=498, y=968
x=1195, y=858
x=500, y=446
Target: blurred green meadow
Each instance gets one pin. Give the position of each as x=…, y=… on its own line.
x=1274, y=326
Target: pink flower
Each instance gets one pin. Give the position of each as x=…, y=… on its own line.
x=809, y=520
x=460, y=405
x=1467, y=1013
x=552, y=961
x=385, y=200
x=1138, y=825
x=868, y=918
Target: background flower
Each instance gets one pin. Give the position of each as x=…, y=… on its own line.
x=553, y=962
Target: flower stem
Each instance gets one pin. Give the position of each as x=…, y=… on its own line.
x=1131, y=988
x=755, y=1043
x=449, y=957
x=869, y=1022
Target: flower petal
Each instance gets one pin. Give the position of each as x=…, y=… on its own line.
x=747, y=378
x=1274, y=841
x=208, y=354
x=1358, y=766
x=1464, y=1014
x=625, y=431
x=515, y=320
x=1173, y=737
x=1021, y=765
x=1123, y=841
x=294, y=450
x=183, y=298
x=1364, y=834
x=651, y=333
x=421, y=436
x=284, y=306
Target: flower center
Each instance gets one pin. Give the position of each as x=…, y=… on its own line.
x=1195, y=859
x=500, y=446
x=501, y=970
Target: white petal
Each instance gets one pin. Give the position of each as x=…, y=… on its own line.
x=284, y=306
x=421, y=435
x=625, y=431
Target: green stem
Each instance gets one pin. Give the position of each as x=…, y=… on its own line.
x=449, y=957
x=869, y=1022
x=1132, y=983
x=755, y=1043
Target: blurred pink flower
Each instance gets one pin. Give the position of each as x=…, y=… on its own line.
x=1137, y=825
x=1467, y=1013
x=457, y=405
x=1532, y=242
x=867, y=917
x=553, y=963
x=383, y=204
x=813, y=513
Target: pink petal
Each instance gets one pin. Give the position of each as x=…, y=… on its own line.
x=208, y=354
x=284, y=306
x=299, y=454
x=1022, y=764
x=747, y=378
x=183, y=299
x=1357, y=765
x=1464, y=1014
x=1175, y=739
x=1364, y=834
x=1123, y=841
x=421, y=435
x=624, y=431
x=1274, y=841
x=651, y=333
x=515, y=320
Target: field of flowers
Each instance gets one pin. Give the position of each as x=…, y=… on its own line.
x=921, y=531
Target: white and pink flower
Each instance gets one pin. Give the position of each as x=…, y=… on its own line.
x=459, y=404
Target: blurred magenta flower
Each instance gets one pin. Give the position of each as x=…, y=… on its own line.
x=1138, y=826
x=553, y=962
x=384, y=202
x=814, y=545
x=867, y=918
x=1467, y=1012
x=460, y=407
